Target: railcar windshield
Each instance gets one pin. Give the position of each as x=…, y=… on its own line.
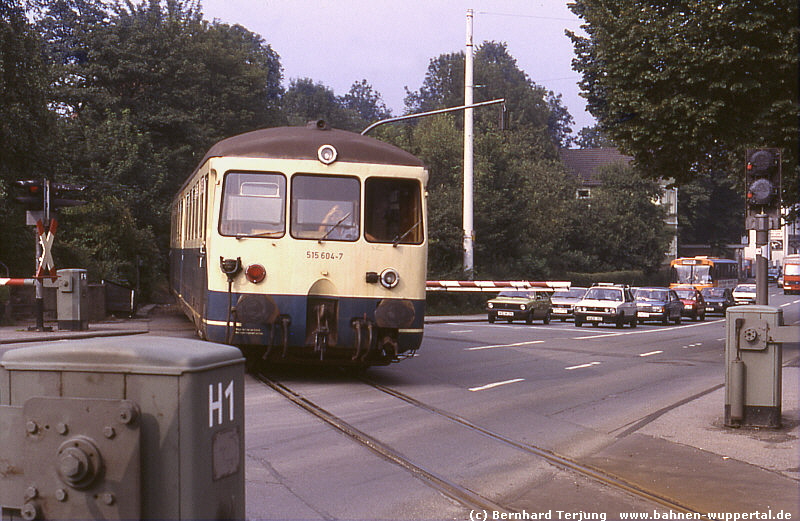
x=325, y=207
x=393, y=211
x=253, y=205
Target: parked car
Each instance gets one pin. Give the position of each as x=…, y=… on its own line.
x=694, y=305
x=744, y=294
x=527, y=305
x=658, y=304
x=773, y=274
x=607, y=303
x=564, y=302
x=717, y=299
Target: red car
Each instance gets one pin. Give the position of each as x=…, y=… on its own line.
x=694, y=305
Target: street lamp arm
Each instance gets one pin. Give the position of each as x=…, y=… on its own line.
x=432, y=113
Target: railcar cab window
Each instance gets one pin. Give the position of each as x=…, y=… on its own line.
x=253, y=205
x=392, y=211
x=325, y=207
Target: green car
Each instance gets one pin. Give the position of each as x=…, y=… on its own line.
x=527, y=305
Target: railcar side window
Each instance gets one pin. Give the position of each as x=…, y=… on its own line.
x=325, y=207
x=253, y=205
x=392, y=211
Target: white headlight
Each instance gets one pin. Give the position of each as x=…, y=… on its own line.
x=390, y=278
x=327, y=154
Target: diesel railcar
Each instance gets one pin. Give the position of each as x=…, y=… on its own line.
x=304, y=244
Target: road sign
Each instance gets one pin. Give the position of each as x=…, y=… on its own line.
x=45, y=262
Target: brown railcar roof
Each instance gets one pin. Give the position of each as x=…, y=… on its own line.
x=303, y=143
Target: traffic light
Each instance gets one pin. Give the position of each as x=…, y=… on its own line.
x=64, y=195
x=763, y=184
x=31, y=195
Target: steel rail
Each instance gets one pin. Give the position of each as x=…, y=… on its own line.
x=551, y=457
x=462, y=495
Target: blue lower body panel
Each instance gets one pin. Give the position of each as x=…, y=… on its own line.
x=365, y=331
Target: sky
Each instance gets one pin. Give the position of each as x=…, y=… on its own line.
x=390, y=44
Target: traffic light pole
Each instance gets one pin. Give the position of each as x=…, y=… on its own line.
x=39, y=284
x=762, y=240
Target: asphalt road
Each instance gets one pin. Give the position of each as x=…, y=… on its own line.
x=565, y=390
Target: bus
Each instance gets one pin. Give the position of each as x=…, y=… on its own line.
x=704, y=272
x=791, y=274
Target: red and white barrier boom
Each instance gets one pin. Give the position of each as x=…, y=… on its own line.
x=492, y=285
x=17, y=282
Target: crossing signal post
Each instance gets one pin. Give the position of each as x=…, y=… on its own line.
x=41, y=199
x=763, y=206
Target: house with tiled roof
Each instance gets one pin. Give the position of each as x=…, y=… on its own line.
x=587, y=163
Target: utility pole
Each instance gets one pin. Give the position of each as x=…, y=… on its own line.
x=469, y=232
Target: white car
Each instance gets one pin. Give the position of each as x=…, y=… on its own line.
x=607, y=303
x=744, y=294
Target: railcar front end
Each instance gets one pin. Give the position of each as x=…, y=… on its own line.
x=310, y=246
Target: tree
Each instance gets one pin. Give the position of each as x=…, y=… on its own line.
x=439, y=144
x=25, y=124
x=704, y=215
x=622, y=227
x=144, y=91
x=530, y=107
x=686, y=86
x=306, y=100
x=593, y=137
x=528, y=222
x=442, y=87
x=365, y=102
x=559, y=121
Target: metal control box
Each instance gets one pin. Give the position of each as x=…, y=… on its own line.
x=72, y=302
x=753, y=360
x=138, y=427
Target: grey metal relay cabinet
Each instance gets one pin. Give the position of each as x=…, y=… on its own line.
x=72, y=301
x=753, y=365
x=138, y=427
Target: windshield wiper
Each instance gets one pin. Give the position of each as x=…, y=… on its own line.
x=334, y=227
x=401, y=237
x=260, y=234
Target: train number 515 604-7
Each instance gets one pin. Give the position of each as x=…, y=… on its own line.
x=324, y=255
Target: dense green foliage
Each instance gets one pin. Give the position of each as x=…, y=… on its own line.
x=686, y=86
x=126, y=98
x=528, y=222
x=24, y=120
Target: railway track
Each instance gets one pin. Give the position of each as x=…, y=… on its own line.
x=468, y=498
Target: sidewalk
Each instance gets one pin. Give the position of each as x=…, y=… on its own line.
x=150, y=319
x=712, y=468
x=686, y=450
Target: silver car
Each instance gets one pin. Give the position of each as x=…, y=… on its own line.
x=564, y=302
